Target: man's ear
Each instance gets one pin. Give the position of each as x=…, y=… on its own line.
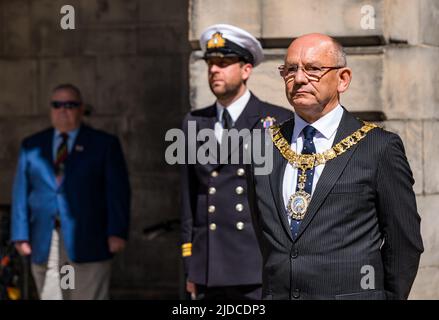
x=246, y=71
x=344, y=79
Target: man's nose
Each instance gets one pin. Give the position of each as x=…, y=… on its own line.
x=300, y=77
x=62, y=110
x=213, y=68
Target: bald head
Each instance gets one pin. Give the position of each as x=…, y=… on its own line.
x=315, y=74
x=331, y=47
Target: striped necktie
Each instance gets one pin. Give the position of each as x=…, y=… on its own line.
x=61, y=157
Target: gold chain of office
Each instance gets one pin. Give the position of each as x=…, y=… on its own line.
x=298, y=202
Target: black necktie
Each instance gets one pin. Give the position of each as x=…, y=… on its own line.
x=226, y=120
x=308, y=148
x=227, y=123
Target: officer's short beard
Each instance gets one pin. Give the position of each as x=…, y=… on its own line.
x=229, y=91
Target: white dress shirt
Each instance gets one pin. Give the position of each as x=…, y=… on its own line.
x=326, y=129
x=235, y=110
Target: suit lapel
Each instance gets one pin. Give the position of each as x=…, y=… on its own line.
x=276, y=177
x=47, y=149
x=332, y=171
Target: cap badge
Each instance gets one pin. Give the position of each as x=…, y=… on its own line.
x=217, y=41
x=268, y=122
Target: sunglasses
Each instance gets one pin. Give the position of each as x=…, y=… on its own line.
x=65, y=104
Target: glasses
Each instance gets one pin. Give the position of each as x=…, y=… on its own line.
x=65, y=104
x=313, y=73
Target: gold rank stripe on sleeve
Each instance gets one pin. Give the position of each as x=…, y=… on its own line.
x=186, y=249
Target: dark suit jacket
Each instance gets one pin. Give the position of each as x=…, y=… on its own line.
x=363, y=198
x=93, y=201
x=228, y=255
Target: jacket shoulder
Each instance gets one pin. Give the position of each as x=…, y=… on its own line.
x=385, y=137
x=201, y=113
x=275, y=109
x=379, y=133
x=379, y=136
x=280, y=113
x=36, y=138
x=99, y=135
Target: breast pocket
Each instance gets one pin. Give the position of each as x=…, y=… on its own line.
x=349, y=198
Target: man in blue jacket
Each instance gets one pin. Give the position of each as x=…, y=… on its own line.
x=71, y=202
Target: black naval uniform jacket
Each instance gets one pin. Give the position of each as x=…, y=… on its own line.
x=219, y=244
x=360, y=237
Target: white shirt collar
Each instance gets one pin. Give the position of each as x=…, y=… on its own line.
x=236, y=108
x=326, y=125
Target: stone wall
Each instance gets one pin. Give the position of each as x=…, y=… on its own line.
x=129, y=57
x=395, y=71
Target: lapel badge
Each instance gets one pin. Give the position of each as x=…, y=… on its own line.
x=79, y=148
x=268, y=121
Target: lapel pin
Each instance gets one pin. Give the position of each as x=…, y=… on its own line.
x=268, y=121
x=79, y=148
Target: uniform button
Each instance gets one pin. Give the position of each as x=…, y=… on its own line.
x=296, y=294
x=239, y=190
x=240, y=225
x=214, y=174
x=211, y=209
x=212, y=190
x=212, y=226
x=239, y=207
x=240, y=172
x=294, y=253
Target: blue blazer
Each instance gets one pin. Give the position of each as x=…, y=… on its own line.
x=93, y=201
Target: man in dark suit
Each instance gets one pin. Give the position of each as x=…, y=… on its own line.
x=337, y=216
x=220, y=251
x=71, y=202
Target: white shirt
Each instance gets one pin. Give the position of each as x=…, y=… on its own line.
x=235, y=110
x=326, y=129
